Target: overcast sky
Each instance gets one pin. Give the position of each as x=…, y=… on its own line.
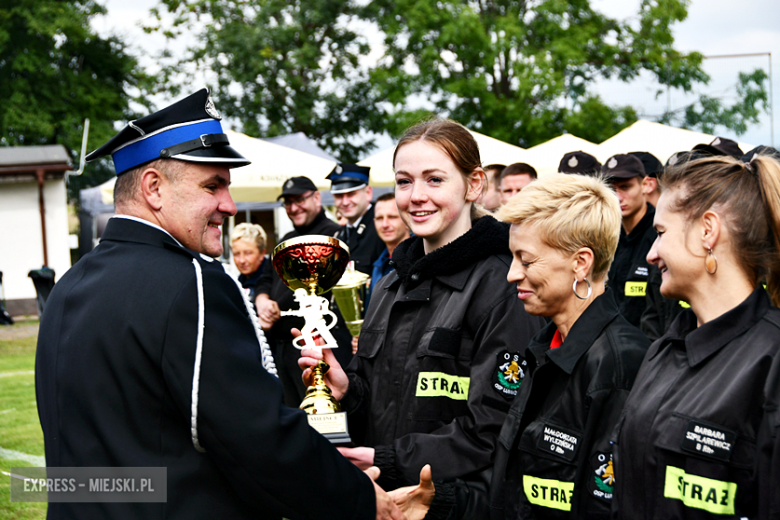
x=713, y=27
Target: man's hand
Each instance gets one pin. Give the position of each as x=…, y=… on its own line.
x=354, y=345
x=267, y=311
x=415, y=501
x=385, y=507
x=335, y=377
x=363, y=458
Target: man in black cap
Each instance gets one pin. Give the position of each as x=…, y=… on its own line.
x=579, y=162
x=303, y=204
x=350, y=189
x=628, y=274
x=148, y=356
x=652, y=168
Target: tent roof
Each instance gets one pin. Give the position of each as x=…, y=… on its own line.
x=261, y=181
x=491, y=151
x=300, y=141
x=656, y=138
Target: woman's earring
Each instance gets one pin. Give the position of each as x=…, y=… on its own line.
x=590, y=289
x=711, y=263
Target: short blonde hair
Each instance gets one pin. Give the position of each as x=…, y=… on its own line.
x=570, y=212
x=250, y=232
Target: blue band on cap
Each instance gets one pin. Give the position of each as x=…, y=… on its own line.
x=148, y=149
x=336, y=177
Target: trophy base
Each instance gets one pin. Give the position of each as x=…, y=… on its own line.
x=332, y=426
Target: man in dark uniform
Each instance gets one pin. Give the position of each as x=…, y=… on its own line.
x=303, y=204
x=350, y=189
x=148, y=356
x=628, y=274
x=653, y=167
x=580, y=163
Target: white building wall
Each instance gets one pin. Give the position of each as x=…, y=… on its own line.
x=21, y=248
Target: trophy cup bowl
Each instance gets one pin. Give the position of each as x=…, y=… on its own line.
x=311, y=265
x=350, y=295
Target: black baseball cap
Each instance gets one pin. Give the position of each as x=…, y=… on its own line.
x=651, y=163
x=761, y=150
x=189, y=130
x=720, y=146
x=295, y=186
x=623, y=166
x=579, y=162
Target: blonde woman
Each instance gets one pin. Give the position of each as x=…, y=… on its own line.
x=248, y=244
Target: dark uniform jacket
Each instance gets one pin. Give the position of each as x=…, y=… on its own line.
x=659, y=312
x=279, y=336
x=699, y=434
x=629, y=271
x=115, y=371
x=364, y=243
x=554, y=458
x=424, y=381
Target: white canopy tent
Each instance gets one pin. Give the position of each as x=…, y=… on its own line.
x=546, y=157
x=656, y=138
x=261, y=181
x=491, y=151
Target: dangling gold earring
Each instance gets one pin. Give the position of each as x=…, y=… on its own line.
x=711, y=263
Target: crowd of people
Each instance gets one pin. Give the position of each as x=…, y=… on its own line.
x=602, y=342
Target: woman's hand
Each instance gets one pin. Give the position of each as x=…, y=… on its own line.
x=335, y=377
x=415, y=501
x=267, y=311
x=363, y=458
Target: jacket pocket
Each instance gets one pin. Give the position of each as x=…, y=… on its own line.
x=704, y=466
x=370, y=343
x=442, y=342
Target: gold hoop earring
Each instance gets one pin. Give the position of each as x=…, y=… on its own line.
x=711, y=263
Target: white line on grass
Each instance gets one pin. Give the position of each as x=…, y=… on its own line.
x=9, y=374
x=18, y=455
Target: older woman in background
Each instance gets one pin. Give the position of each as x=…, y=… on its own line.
x=699, y=437
x=247, y=242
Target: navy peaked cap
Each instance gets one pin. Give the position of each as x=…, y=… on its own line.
x=348, y=177
x=189, y=130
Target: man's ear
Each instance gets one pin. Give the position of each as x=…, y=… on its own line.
x=152, y=186
x=369, y=192
x=648, y=185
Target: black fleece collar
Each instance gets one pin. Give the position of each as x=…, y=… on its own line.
x=487, y=237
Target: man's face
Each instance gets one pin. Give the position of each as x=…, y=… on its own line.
x=194, y=206
x=630, y=193
x=492, y=198
x=353, y=204
x=389, y=226
x=304, y=208
x=512, y=184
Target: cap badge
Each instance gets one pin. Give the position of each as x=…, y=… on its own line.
x=288, y=184
x=612, y=163
x=716, y=142
x=211, y=109
x=673, y=160
x=573, y=162
x=339, y=169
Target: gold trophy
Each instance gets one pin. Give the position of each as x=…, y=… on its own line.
x=311, y=265
x=350, y=295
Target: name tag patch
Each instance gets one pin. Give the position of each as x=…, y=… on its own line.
x=636, y=288
x=710, y=495
x=548, y=493
x=707, y=440
x=641, y=271
x=439, y=384
x=559, y=442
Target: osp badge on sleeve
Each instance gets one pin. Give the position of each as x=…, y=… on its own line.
x=602, y=483
x=509, y=373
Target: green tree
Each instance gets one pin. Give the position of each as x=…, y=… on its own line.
x=281, y=66
x=523, y=71
x=55, y=71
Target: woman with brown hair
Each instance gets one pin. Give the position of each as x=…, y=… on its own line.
x=438, y=360
x=699, y=433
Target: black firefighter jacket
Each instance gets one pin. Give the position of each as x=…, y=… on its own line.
x=554, y=457
x=700, y=437
x=424, y=382
x=115, y=378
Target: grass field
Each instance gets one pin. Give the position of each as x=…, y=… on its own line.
x=21, y=438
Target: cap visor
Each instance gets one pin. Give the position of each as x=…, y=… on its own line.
x=224, y=154
x=346, y=187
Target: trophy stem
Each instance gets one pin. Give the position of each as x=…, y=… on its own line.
x=319, y=399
